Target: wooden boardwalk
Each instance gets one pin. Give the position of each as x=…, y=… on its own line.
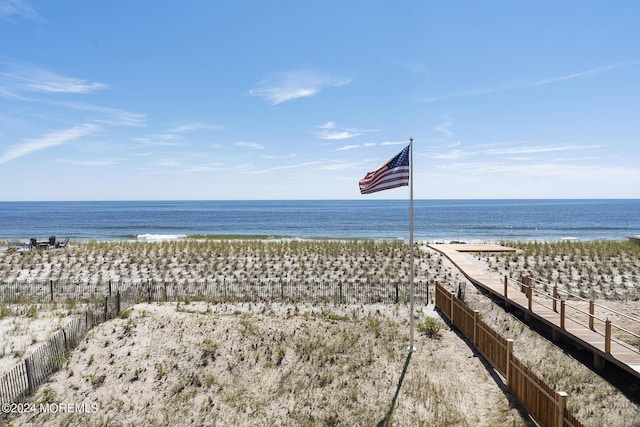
x=540, y=307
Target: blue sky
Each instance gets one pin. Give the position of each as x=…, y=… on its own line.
x=131, y=100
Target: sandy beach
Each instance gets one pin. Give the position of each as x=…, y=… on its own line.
x=205, y=363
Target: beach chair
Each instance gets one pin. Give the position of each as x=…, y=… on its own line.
x=52, y=241
x=62, y=244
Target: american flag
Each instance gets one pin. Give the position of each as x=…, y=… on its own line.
x=394, y=173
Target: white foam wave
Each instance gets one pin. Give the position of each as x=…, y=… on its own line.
x=160, y=237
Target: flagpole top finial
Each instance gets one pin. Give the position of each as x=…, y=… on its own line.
x=411, y=140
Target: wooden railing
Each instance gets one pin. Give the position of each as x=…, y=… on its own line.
x=547, y=406
x=559, y=301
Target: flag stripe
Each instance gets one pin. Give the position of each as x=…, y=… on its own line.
x=392, y=174
x=392, y=178
x=376, y=178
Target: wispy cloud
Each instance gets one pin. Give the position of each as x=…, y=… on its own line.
x=284, y=167
x=452, y=155
x=191, y=127
x=48, y=140
x=445, y=126
x=168, y=163
x=289, y=85
x=253, y=145
x=539, y=149
x=339, y=165
x=29, y=79
x=344, y=134
x=273, y=157
x=161, y=139
x=511, y=151
x=110, y=116
x=90, y=163
x=410, y=65
x=174, y=136
x=10, y=9
x=348, y=147
x=508, y=86
x=27, y=83
x=211, y=167
x=546, y=169
x=330, y=131
x=369, y=145
x=578, y=75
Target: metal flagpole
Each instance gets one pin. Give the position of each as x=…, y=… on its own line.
x=411, y=269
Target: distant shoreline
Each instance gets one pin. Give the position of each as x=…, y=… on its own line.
x=159, y=238
x=473, y=221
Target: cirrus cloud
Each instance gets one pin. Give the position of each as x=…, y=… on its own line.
x=293, y=84
x=19, y=78
x=51, y=139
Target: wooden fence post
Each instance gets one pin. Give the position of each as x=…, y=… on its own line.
x=607, y=336
x=562, y=405
x=591, y=313
x=397, y=293
x=475, y=327
x=118, y=303
x=506, y=286
x=427, y=293
x=562, y=303
x=508, y=367
x=28, y=363
x=555, y=298
x=452, y=295
x=529, y=294
x=51, y=288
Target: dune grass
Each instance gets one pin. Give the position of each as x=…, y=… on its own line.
x=234, y=344
x=595, y=269
x=192, y=260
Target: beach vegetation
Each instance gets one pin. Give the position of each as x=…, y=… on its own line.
x=591, y=269
x=46, y=396
x=210, y=349
x=5, y=311
x=96, y=380
x=125, y=314
x=430, y=326
x=32, y=312
x=336, y=317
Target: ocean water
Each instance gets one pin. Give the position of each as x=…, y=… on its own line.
x=434, y=220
